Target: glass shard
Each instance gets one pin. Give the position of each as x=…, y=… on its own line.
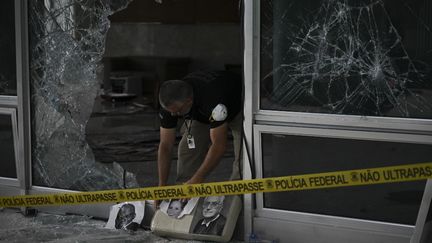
x=67, y=40
x=346, y=57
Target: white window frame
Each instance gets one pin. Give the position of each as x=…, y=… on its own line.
x=259, y=120
x=263, y=116
x=335, y=221
x=10, y=105
x=11, y=112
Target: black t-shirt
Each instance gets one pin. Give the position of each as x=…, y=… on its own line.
x=213, y=92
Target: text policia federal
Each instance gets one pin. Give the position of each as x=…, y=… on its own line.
x=360, y=177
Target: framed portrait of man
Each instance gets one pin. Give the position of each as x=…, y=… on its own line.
x=212, y=218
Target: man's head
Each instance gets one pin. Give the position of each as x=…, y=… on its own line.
x=174, y=209
x=176, y=97
x=212, y=206
x=125, y=215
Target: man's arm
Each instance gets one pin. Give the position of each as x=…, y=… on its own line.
x=218, y=137
x=166, y=144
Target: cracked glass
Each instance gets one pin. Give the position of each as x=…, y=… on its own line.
x=67, y=41
x=367, y=57
x=95, y=122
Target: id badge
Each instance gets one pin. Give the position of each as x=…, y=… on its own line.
x=190, y=142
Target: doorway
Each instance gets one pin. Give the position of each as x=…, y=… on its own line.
x=113, y=143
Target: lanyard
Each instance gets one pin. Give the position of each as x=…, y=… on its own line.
x=188, y=127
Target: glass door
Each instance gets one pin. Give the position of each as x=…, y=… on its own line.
x=95, y=67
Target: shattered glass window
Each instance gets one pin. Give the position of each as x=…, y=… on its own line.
x=67, y=41
x=7, y=49
x=355, y=57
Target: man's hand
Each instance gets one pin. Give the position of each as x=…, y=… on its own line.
x=196, y=179
x=156, y=205
x=218, y=137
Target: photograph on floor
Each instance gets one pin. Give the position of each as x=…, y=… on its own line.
x=126, y=216
x=177, y=208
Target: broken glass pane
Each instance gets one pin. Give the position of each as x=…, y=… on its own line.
x=369, y=57
x=67, y=41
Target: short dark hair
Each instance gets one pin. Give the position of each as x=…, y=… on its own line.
x=174, y=91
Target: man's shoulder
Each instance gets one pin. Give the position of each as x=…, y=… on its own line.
x=221, y=218
x=133, y=226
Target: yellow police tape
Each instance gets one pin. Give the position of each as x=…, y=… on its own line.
x=360, y=177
